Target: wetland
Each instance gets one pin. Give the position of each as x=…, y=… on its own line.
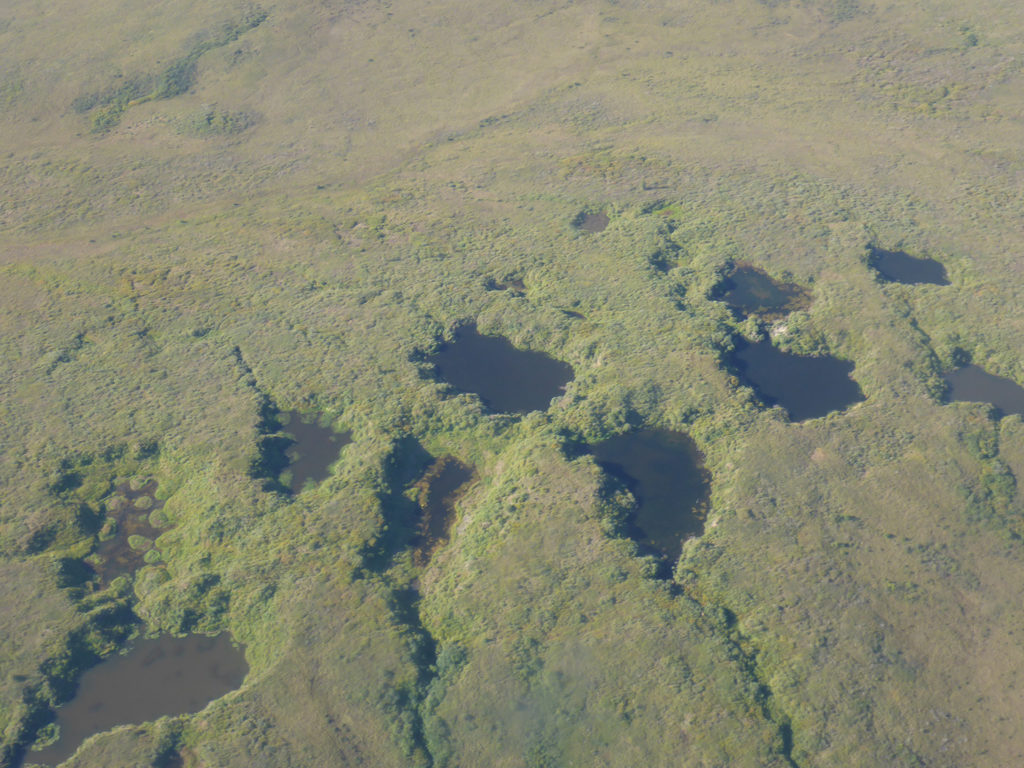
x=505, y=378
x=750, y=291
x=806, y=387
x=158, y=677
x=665, y=473
x=900, y=267
x=974, y=384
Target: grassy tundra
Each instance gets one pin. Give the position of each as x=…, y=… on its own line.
x=212, y=212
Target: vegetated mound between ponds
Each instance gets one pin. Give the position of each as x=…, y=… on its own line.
x=438, y=490
x=132, y=511
x=665, y=473
x=313, y=449
x=505, y=378
x=164, y=676
x=900, y=267
x=975, y=385
x=750, y=291
x=807, y=387
x=591, y=222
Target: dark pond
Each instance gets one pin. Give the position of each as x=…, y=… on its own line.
x=313, y=449
x=507, y=379
x=592, y=222
x=164, y=676
x=807, y=387
x=899, y=267
x=438, y=490
x=752, y=292
x=973, y=384
x=665, y=473
x=130, y=509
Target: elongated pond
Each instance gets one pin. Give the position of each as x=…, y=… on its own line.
x=665, y=473
x=313, y=449
x=505, y=378
x=750, y=291
x=900, y=267
x=163, y=676
x=438, y=490
x=807, y=387
x=975, y=385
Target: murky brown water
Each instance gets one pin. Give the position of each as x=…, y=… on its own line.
x=750, y=291
x=313, y=450
x=163, y=676
x=438, y=491
x=130, y=509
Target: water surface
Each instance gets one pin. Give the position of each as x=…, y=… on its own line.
x=438, y=490
x=313, y=449
x=899, y=267
x=592, y=222
x=163, y=676
x=506, y=379
x=975, y=385
x=752, y=292
x=665, y=473
x=807, y=387
x=130, y=508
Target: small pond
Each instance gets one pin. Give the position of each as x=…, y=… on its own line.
x=975, y=385
x=506, y=379
x=515, y=286
x=750, y=291
x=313, y=449
x=132, y=511
x=899, y=267
x=665, y=473
x=591, y=222
x=438, y=490
x=163, y=676
x=807, y=387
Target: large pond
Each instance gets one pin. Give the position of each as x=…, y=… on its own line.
x=438, y=491
x=313, y=449
x=975, y=385
x=163, y=676
x=133, y=511
x=899, y=267
x=665, y=473
x=807, y=387
x=506, y=379
x=750, y=291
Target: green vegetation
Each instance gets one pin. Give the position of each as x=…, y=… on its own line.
x=169, y=278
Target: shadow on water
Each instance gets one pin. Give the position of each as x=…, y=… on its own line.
x=438, y=491
x=975, y=385
x=132, y=512
x=311, y=449
x=807, y=387
x=899, y=267
x=506, y=379
x=591, y=222
x=665, y=473
x=750, y=291
x=156, y=678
